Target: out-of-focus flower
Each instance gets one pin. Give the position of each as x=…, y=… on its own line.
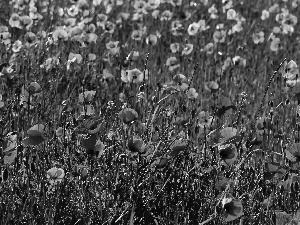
x=291, y=71
x=209, y=48
x=26, y=22
x=265, y=14
x=140, y=6
x=174, y=47
x=60, y=34
x=151, y=39
x=213, y=12
x=193, y=28
x=187, y=49
x=15, y=21
x=166, y=15
x=238, y=61
x=30, y=39
x=231, y=14
x=155, y=14
x=258, y=37
x=177, y=27
x=273, y=8
x=274, y=46
x=109, y=27
x=236, y=28
x=73, y=10
x=172, y=63
x=192, y=93
x=113, y=47
x=153, y=4
x=219, y=36
x=17, y=46
x=128, y=115
x=137, y=35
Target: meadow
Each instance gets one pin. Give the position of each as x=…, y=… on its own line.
x=150, y=112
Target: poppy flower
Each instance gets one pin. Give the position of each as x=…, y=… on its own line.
x=258, y=37
x=172, y=63
x=15, y=21
x=136, y=144
x=60, y=34
x=113, y=47
x=192, y=93
x=166, y=15
x=228, y=153
x=187, y=49
x=232, y=207
x=291, y=70
x=128, y=115
x=135, y=76
x=35, y=135
x=219, y=36
x=54, y=176
x=193, y=28
x=174, y=47
x=275, y=44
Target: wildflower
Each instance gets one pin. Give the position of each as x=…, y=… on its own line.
x=137, y=35
x=55, y=175
x=174, y=47
x=155, y=14
x=273, y=8
x=211, y=86
x=258, y=37
x=202, y=25
x=136, y=144
x=233, y=208
x=15, y=20
x=26, y=22
x=86, y=96
x=291, y=71
x=172, y=63
x=35, y=134
x=135, y=76
x=140, y=6
x=192, y=93
x=228, y=153
x=275, y=44
x=59, y=33
x=133, y=56
x=193, y=28
x=73, y=10
x=128, y=115
x=236, y=28
x=17, y=46
x=219, y=36
x=151, y=39
x=166, y=15
x=30, y=39
x=239, y=61
x=109, y=27
x=176, y=28
x=187, y=49
x=213, y=12
x=231, y=14
x=113, y=47
x=153, y=4
x=175, y=2
x=209, y=48
x=265, y=14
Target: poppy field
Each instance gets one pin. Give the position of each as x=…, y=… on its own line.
x=150, y=112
